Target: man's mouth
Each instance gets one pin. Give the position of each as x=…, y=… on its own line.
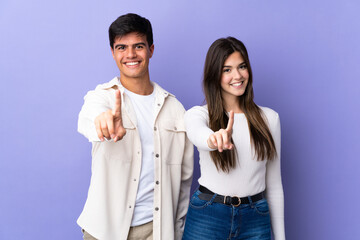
x=132, y=63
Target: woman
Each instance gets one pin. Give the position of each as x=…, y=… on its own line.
x=239, y=147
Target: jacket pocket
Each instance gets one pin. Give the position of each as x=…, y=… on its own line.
x=127, y=124
x=175, y=126
x=173, y=139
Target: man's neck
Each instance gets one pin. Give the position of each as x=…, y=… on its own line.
x=141, y=86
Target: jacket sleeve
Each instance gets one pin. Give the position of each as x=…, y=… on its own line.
x=186, y=180
x=95, y=103
x=274, y=188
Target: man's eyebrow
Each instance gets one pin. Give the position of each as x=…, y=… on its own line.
x=135, y=44
x=119, y=45
x=140, y=43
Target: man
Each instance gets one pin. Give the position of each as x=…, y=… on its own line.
x=142, y=161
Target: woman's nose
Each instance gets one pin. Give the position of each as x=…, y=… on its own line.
x=237, y=74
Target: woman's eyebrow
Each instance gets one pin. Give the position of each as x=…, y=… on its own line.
x=231, y=66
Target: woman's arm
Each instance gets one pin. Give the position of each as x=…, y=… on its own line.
x=197, y=121
x=197, y=127
x=274, y=188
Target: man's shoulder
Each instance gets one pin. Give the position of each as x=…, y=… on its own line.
x=174, y=103
x=161, y=90
x=108, y=85
x=169, y=97
x=103, y=90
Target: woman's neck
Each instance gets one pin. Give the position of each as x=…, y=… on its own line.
x=232, y=104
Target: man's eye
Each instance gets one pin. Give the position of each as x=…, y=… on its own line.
x=139, y=47
x=121, y=47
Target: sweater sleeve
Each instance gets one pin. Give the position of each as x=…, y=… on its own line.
x=95, y=103
x=197, y=129
x=274, y=188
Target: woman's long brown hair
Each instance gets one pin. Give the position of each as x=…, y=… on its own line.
x=260, y=135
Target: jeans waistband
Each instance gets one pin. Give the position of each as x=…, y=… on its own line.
x=206, y=195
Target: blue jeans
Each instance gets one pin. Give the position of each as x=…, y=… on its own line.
x=208, y=220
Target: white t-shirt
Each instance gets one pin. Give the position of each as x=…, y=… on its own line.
x=144, y=110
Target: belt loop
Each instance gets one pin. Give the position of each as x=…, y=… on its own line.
x=250, y=201
x=213, y=197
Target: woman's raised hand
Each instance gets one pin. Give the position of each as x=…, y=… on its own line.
x=221, y=139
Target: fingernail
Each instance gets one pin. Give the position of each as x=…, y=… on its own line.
x=112, y=136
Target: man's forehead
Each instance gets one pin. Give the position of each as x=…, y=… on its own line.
x=130, y=38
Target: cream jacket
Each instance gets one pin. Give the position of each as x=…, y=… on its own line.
x=116, y=167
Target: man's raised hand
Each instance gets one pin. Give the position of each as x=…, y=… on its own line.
x=109, y=124
x=222, y=138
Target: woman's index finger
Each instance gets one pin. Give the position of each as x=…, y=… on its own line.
x=231, y=121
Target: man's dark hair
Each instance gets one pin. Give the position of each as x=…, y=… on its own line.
x=129, y=23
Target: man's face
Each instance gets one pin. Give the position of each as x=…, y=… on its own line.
x=131, y=53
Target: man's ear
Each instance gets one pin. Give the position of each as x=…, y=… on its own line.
x=112, y=52
x=151, y=50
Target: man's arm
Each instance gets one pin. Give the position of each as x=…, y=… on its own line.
x=186, y=180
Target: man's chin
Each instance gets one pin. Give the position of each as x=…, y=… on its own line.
x=133, y=76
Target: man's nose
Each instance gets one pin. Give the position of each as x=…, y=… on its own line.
x=131, y=53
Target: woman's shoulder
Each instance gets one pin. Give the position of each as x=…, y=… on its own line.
x=202, y=108
x=270, y=114
x=268, y=111
x=197, y=110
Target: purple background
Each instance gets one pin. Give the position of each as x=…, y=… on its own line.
x=305, y=56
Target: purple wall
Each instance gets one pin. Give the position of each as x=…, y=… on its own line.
x=305, y=57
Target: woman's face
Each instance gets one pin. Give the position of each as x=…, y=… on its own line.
x=234, y=77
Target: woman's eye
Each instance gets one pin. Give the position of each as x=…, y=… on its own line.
x=242, y=67
x=226, y=70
